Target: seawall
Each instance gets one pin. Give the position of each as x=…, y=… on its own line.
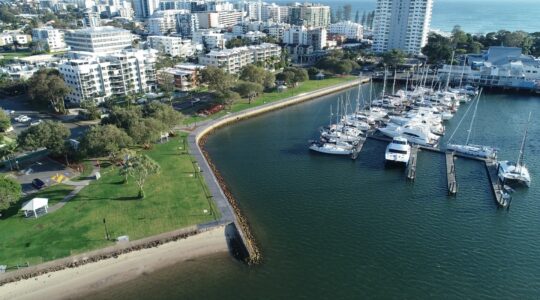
x=229, y=207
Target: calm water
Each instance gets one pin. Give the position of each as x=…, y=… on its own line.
x=330, y=227
x=475, y=16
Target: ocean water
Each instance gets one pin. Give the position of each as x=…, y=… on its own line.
x=474, y=16
x=333, y=228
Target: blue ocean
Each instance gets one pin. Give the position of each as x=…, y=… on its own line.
x=474, y=16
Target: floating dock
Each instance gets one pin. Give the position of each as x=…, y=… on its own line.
x=358, y=148
x=496, y=185
x=451, y=173
x=411, y=166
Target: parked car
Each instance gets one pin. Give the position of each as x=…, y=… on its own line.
x=23, y=118
x=36, y=122
x=38, y=183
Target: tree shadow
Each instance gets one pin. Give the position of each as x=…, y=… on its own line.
x=127, y=198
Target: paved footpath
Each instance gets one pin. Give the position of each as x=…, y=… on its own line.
x=79, y=185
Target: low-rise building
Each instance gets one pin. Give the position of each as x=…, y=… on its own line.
x=164, y=21
x=233, y=60
x=185, y=76
x=98, y=76
x=173, y=46
x=210, y=39
x=300, y=35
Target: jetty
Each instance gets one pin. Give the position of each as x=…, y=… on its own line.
x=451, y=173
x=501, y=197
x=411, y=166
x=357, y=148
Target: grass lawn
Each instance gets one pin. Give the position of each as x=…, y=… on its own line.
x=13, y=54
x=175, y=198
x=303, y=87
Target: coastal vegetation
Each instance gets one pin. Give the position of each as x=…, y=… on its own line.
x=175, y=197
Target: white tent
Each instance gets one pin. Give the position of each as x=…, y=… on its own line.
x=34, y=205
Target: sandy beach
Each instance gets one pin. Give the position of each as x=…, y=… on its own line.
x=71, y=282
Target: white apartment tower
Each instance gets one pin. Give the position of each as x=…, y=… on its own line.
x=401, y=24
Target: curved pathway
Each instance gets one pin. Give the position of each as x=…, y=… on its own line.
x=79, y=185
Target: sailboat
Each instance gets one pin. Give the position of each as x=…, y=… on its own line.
x=510, y=172
x=471, y=149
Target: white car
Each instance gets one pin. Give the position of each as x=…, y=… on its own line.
x=37, y=122
x=23, y=118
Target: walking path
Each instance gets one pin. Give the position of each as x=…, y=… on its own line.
x=79, y=185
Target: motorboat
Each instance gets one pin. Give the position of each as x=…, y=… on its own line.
x=414, y=133
x=398, y=151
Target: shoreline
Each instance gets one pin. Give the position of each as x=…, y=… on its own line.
x=108, y=266
x=220, y=192
x=84, y=279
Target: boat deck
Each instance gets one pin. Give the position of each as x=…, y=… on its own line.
x=497, y=187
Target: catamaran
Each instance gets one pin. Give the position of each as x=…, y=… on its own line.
x=510, y=172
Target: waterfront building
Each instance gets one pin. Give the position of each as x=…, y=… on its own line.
x=401, y=24
x=185, y=76
x=173, y=46
x=145, y=8
x=233, y=60
x=106, y=39
x=307, y=14
x=49, y=36
x=300, y=35
x=503, y=67
x=98, y=76
x=350, y=30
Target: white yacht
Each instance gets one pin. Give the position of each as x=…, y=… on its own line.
x=416, y=134
x=329, y=148
x=398, y=151
x=474, y=150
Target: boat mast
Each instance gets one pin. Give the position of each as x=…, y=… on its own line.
x=461, y=121
x=449, y=72
x=462, y=72
x=473, y=117
x=521, y=150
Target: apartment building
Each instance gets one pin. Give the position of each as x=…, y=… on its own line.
x=52, y=38
x=348, y=29
x=307, y=14
x=171, y=45
x=106, y=39
x=233, y=60
x=164, y=21
x=401, y=24
x=97, y=76
x=301, y=35
x=185, y=76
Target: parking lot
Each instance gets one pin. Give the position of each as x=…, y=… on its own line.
x=45, y=169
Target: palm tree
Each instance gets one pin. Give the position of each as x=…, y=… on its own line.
x=7, y=151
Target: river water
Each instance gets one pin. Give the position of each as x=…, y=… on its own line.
x=330, y=227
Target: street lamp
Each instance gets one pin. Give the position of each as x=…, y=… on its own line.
x=106, y=230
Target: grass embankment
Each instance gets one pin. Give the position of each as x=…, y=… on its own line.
x=175, y=198
x=304, y=87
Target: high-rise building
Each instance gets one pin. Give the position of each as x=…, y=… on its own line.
x=104, y=39
x=401, y=24
x=310, y=15
x=145, y=8
x=98, y=76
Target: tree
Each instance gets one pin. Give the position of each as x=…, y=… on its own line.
x=217, y=79
x=49, y=134
x=227, y=97
x=123, y=156
x=146, y=131
x=236, y=42
x=46, y=85
x=287, y=77
x=248, y=89
x=101, y=140
x=167, y=85
x=10, y=192
x=140, y=167
x=165, y=113
x=269, y=81
x=92, y=111
x=7, y=151
x=438, y=49
x=394, y=58
x=123, y=117
x=5, y=121
x=258, y=75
